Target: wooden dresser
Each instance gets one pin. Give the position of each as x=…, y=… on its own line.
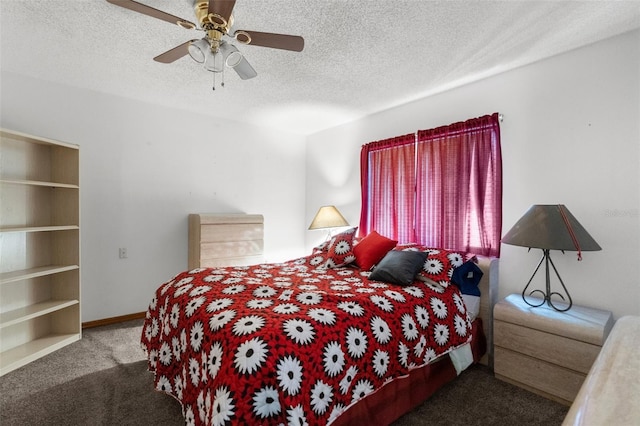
x=225, y=239
x=546, y=351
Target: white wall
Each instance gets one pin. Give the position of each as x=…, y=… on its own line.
x=143, y=170
x=571, y=135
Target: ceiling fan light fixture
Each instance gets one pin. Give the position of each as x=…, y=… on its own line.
x=214, y=62
x=245, y=70
x=233, y=60
x=199, y=50
x=232, y=56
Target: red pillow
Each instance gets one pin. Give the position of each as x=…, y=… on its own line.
x=372, y=249
x=340, y=249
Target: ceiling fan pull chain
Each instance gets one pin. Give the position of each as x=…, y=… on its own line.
x=214, y=81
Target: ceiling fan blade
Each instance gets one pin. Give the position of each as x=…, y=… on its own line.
x=245, y=70
x=222, y=8
x=154, y=13
x=276, y=41
x=174, y=54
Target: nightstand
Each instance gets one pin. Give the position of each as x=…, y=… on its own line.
x=545, y=351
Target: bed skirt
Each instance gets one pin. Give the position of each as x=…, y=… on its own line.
x=402, y=395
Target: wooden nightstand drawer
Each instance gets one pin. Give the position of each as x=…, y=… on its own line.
x=568, y=353
x=546, y=351
x=538, y=376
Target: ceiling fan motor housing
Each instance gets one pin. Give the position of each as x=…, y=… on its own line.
x=215, y=25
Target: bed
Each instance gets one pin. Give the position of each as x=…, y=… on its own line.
x=321, y=339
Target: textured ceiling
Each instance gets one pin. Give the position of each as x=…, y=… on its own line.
x=359, y=57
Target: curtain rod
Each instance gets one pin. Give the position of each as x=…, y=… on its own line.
x=500, y=119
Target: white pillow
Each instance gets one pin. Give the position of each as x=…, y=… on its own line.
x=473, y=305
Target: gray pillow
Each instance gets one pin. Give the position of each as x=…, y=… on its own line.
x=399, y=267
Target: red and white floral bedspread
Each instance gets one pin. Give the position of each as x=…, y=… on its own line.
x=289, y=343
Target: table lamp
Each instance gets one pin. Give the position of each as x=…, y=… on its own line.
x=550, y=227
x=328, y=217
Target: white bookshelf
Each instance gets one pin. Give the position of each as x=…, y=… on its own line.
x=39, y=247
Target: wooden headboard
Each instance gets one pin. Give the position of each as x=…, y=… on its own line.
x=488, y=297
x=225, y=239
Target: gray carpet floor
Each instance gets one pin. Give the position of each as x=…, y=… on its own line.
x=103, y=380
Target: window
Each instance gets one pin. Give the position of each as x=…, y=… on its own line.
x=440, y=187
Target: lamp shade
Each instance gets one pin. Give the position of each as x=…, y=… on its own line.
x=214, y=62
x=328, y=217
x=550, y=227
x=232, y=57
x=198, y=50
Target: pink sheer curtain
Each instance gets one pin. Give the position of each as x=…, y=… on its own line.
x=443, y=189
x=459, y=186
x=388, y=187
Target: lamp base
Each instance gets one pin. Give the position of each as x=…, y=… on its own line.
x=546, y=295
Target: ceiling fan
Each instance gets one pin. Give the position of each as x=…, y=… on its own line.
x=214, y=51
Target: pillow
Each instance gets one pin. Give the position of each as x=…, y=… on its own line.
x=439, y=265
x=473, y=305
x=372, y=249
x=340, y=249
x=399, y=267
x=321, y=248
x=467, y=277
